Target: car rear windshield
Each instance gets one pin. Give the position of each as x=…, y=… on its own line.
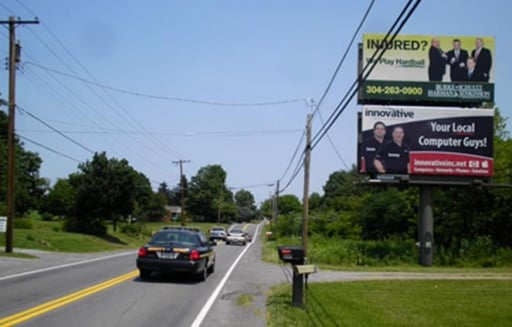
x=218, y=229
x=175, y=238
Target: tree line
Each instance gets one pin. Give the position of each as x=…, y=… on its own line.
x=109, y=189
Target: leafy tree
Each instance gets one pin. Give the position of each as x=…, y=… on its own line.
x=245, y=203
x=61, y=199
x=288, y=204
x=266, y=208
x=155, y=209
x=315, y=201
x=105, y=189
x=166, y=192
x=389, y=212
x=208, y=195
x=29, y=186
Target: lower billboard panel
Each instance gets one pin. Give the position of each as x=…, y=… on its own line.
x=426, y=141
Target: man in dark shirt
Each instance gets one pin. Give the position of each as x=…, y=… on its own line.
x=370, y=146
x=437, y=61
x=483, y=61
x=457, y=59
x=393, y=157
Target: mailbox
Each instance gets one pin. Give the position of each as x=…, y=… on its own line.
x=291, y=254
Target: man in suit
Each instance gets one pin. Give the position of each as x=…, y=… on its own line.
x=437, y=61
x=483, y=61
x=470, y=74
x=457, y=59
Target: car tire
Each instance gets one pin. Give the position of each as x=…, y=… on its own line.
x=211, y=270
x=144, y=274
x=202, y=275
x=243, y=243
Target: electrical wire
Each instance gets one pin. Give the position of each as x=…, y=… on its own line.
x=47, y=148
x=364, y=73
x=342, y=60
x=169, y=98
x=54, y=129
x=361, y=78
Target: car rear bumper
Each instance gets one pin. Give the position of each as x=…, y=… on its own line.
x=239, y=240
x=161, y=265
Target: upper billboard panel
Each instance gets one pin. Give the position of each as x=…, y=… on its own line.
x=427, y=70
x=435, y=141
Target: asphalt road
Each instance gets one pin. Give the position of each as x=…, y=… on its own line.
x=165, y=300
x=237, y=293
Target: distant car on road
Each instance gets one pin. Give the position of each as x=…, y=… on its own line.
x=236, y=236
x=218, y=233
x=177, y=250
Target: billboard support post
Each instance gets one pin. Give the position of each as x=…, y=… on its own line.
x=426, y=227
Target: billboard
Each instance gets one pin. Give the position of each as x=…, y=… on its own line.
x=425, y=69
x=435, y=141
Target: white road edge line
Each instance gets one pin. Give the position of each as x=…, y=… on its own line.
x=204, y=311
x=27, y=273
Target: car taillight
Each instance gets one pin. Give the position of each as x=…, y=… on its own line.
x=194, y=255
x=143, y=252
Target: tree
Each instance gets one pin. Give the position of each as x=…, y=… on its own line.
x=246, y=207
x=105, y=189
x=29, y=186
x=61, y=199
x=155, y=209
x=207, y=194
x=166, y=192
x=315, y=201
x=289, y=204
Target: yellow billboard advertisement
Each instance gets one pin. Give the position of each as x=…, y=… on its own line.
x=429, y=69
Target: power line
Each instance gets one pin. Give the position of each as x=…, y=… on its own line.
x=342, y=60
x=48, y=148
x=294, y=155
x=364, y=74
x=209, y=134
x=317, y=107
x=133, y=121
x=350, y=94
x=54, y=129
x=170, y=98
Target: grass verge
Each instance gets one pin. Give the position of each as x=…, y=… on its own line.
x=395, y=303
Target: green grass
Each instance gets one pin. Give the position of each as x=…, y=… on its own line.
x=244, y=300
x=49, y=236
x=395, y=303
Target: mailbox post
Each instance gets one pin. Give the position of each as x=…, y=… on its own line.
x=295, y=256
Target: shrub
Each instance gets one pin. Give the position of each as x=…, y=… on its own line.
x=23, y=223
x=46, y=216
x=133, y=229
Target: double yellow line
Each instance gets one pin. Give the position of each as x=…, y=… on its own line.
x=60, y=302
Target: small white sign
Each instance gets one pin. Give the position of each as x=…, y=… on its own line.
x=3, y=224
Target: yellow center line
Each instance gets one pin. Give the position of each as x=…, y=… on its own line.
x=62, y=301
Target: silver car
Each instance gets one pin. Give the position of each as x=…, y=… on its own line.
x=218, y=233
x=236, y=236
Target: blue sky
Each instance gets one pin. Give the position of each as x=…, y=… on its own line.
x=219, y=51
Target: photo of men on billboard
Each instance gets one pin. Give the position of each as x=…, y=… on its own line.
x=426, y=69
x=426, y=141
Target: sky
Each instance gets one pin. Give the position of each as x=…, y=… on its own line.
x=155, y=82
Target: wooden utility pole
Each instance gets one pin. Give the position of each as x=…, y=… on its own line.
x=182, y=191
x=275, y=204
x=305, y=200
x=14, y=58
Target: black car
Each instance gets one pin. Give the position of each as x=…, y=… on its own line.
x=177, y=250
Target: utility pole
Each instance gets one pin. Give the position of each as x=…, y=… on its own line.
x=275, y=204
x=14, y=58
x=182, y=190
x=305, y=200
